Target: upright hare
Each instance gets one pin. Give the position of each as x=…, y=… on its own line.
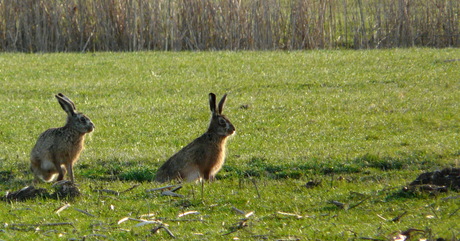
x=57, y=149
x=203, y=157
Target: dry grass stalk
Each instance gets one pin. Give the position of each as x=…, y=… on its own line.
x=187, y=213
x=290, y=214
x=116, y=25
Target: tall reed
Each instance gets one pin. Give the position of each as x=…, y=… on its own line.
x=131, y=25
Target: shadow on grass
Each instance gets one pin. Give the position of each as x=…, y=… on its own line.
x=143, y=170
x=117, y=169
x=262, y=167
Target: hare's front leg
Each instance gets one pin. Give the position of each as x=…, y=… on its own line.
x=69, y=168
x=208, y=176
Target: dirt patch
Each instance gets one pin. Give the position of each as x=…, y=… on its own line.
x=65, y=190
x=437, y=181
x=62, y=190
x=29, y=192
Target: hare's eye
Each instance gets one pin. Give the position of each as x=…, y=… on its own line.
x=222, y=122
x=82, y=119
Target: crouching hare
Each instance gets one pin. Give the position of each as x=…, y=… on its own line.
x=203, y=157
x=57, y=149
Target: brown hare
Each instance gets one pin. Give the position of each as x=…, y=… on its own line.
x=203, y=157
x=57, y=149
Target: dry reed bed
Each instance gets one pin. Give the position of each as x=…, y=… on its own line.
x=130, y=25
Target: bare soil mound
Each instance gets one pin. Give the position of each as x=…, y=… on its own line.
x=62, y=190
x=437, y=181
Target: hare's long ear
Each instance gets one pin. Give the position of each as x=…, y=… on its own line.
x=68, y=100
x=212, y=103
x=66, y=104
x=221, y=104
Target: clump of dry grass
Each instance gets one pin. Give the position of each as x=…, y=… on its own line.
x=118, y=25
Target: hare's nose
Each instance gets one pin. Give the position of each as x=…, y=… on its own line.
x=91, y=127
x=231, y=130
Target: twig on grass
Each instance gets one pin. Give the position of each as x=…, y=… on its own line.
x=255, y=185
x=451, y=197
x=56, y=224
x=84, y=212
x=238, y=211
x=246, y=215
x=452, y=214
x=338, y=204
x=155, y=230
x=240, y=225
x=160, y=188
x=131, y=188
x=176, y=188
x=396, y=219
x=37, y=225
x=108, y=191
x=29, y=227
x=62, y=208
x=362, y=201
x=167, y=190
x=94, y=235
x=186, y=220
x=172, y=194
x=47, y=233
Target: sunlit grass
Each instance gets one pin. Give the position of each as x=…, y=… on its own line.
x=363, y=123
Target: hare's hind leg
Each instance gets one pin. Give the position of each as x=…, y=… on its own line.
x=37, y=174
x=191, y=173
x=43, y=169
x=61, y=171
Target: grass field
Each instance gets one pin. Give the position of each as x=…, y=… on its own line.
x=363, y=123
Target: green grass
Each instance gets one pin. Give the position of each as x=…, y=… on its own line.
x=364, y=123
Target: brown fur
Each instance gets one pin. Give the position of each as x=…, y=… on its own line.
x=203, y=157
x=57, y=149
